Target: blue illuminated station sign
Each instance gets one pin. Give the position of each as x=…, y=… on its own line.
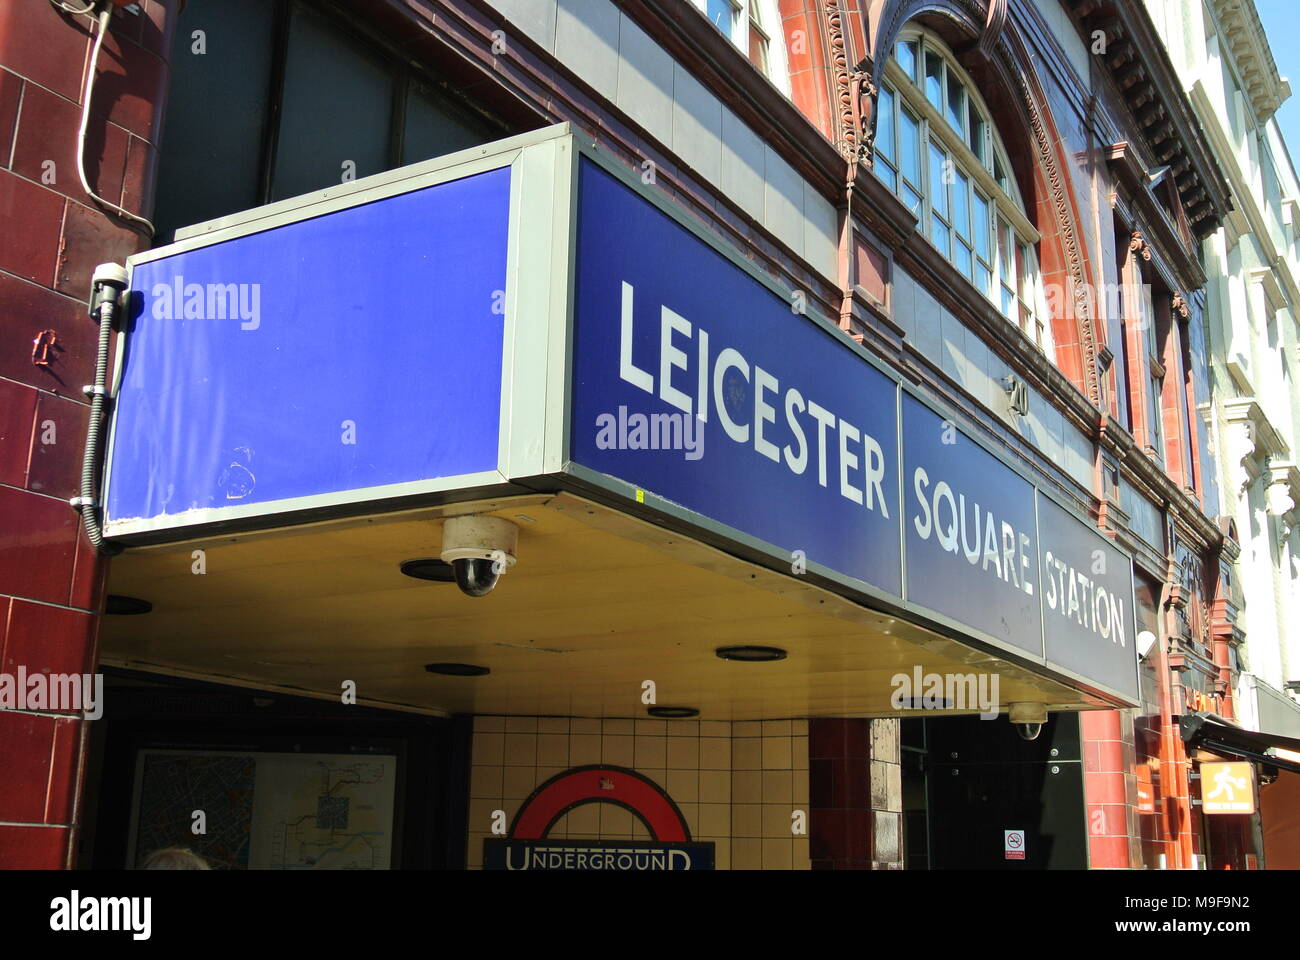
x=696, y=383
x=284, y=365
x=283, y=368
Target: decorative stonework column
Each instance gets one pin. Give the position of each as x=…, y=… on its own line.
x=886, y=795
x=1264, y=512
x=1281, y=499
x=1239, y=455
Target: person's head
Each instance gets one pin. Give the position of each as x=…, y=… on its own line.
x=174, y=858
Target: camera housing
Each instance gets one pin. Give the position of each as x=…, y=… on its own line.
x=1029, y=731
x=479, y=549
x=1028, y=718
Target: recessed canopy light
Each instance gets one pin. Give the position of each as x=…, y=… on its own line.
x=429, y=568
x=119, y=606
x=924, y=703
x=750, y=654
x=457, y=669
x=673, y=713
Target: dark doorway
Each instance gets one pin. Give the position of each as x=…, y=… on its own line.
x=968, y=781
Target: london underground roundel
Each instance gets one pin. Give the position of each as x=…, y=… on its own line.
x=527, y=846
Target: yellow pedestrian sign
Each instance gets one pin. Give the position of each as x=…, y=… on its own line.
x=1227, y=788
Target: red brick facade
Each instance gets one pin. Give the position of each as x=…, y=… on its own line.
x=51, y=582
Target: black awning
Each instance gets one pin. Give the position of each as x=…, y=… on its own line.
x=1211, y=732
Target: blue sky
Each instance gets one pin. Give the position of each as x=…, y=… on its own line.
x=1281, y=19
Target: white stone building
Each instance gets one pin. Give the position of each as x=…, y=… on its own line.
x=1253, y=263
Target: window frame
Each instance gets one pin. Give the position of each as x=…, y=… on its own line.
x=1153, y=363
x=407, y=77
x=1025, y=303
x=756, y=15
x=737, y=16
x=754, y=24
x=407, y=74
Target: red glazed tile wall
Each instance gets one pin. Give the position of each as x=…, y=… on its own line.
x=51, y=581
x=855, y=794
x=1110, y=790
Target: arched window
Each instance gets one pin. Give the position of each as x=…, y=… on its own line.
x=937, y=148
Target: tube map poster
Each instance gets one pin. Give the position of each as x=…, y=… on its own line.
x=266, y=811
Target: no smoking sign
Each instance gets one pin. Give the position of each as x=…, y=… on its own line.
x=1013, y=844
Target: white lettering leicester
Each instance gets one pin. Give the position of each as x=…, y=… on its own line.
x=858, y=455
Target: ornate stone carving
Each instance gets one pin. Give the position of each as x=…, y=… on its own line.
x=1280, y=497
x=1244, y=33
x=847, y=111
x=993, y=26
x=864, y=102
x=1239, y=441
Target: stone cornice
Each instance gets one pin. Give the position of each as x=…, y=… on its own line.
x=1268, y=442
x=1246, y=216
x=1134, y=56
x=1133, y=175
x=1251, y=439
x=1267, y=279
x=1241, y=27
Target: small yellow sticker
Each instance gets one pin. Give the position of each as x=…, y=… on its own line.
x=640, y=496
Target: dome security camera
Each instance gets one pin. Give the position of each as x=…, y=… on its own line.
x=1028, y=718
x=479, y=549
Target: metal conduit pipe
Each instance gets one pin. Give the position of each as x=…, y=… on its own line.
x=107, y=286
